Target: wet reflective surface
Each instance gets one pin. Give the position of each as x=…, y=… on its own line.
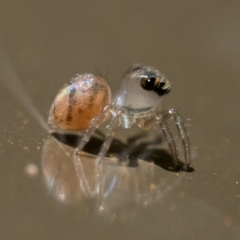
x=46, y=193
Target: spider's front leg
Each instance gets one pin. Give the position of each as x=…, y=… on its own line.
x=172, y=114
x=160, y=119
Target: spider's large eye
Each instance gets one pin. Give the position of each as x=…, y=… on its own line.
x=148, y=83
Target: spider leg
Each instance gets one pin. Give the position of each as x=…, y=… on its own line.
x=90, y=131
x=77, y=161
x=107, y=142
x=182, y=132
x=171, y=142
x=112, y=128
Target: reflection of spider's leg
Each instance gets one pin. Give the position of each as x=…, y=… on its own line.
x=94, y=125
x=171, y=142
x=81, y=176
x=182, y=132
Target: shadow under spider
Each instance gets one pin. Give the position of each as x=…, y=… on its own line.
x=159, y=157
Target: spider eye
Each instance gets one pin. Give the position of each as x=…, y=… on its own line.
x=148, y=83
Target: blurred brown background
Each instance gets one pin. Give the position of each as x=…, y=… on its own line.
x=194, y=43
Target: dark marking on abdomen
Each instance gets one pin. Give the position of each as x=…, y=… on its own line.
x=96, y=88
x=72, y=99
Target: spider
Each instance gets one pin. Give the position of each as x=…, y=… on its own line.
x=86, y=103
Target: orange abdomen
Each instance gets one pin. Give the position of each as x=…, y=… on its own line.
x=77, y=104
